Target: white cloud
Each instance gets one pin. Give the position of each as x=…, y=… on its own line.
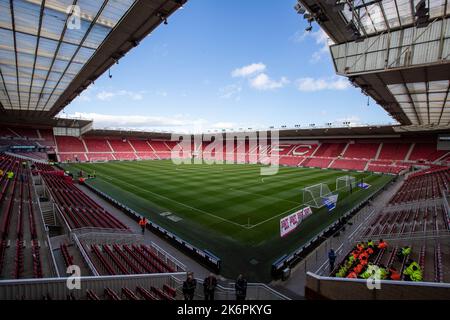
x=352, y=120
x=312, y=84
x=137, y=121
x=248, y=70
x=224, y=125
x=162, y=93
x=109, y=95
x=264, y=82
x=231, y=92
x=320, y=38
x=257, y=79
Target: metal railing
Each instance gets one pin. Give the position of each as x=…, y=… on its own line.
x=58, y=288
x=168, y=258
x=85, y=256
x=226, y=291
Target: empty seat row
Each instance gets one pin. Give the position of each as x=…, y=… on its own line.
x=78, y=209
x=126, y=259
x=166, y=293
x=423, y=186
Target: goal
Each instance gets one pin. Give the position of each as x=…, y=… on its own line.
x=313, y=196
x=345, y=182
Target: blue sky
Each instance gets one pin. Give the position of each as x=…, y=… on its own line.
x=226, y=64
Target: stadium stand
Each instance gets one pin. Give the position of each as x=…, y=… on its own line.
x=126, y=259
x=428, y=184
x=120, y=146
x=349, y=164
x=77, y=208
x=361, y=150
x=95, y=145
x=399, y=261
x=407, y=221
x=426, y=152
x=18, y=224
x=383, y=157
x=48, y=137
x=394, y=151
x=67, y=144
x=318, y=162
x=414, y=211
x=330, y=149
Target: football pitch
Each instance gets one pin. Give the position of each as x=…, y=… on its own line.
x=228, y=209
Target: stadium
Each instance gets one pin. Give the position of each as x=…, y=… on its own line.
x=335, y=210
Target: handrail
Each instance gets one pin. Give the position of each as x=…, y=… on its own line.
x=85, y=255
x=167, y=255
x=55, y=266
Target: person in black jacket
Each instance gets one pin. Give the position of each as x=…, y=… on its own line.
x=241, y=288
x=209, y=286
x=189, y=287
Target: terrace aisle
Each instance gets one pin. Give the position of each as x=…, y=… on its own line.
x=318, y=259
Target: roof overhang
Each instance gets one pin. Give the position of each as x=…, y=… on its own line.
x=396, y=51
x=45, y=63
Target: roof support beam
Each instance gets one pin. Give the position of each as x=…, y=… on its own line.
x=134, y=26
x=447, y=95
x=48, y=38
x=4, y=87
x=411, y=101
x=103, y=22
x=63, y=32
x=105, y=2
x=11, y=4
x=38, y=40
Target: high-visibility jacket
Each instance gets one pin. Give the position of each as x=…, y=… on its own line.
x=413, y=267
x=363, y=256
x=342, y=272
x=142, y=222
x=416, y=276
x=406, y=251
x=10, y=174
x=395, y=275
x=358, y=269
x=382, y=245
x=352, y=275
x=414, y=272
x=370, y=244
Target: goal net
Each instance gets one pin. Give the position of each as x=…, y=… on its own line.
x=314, y=196
x=345, y=182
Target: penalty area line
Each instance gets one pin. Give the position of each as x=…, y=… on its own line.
x=180, y=203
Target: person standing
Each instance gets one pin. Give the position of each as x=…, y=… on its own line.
x=143, y=224
x=331, y=259
x=241, y=288
x=10, y=175
x=189, y=287
x=209, y=287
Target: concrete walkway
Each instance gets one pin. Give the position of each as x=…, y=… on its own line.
x=149, y=237
x=341, y=242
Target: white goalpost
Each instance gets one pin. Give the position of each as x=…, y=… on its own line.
x=345, y=182
x=313, y=196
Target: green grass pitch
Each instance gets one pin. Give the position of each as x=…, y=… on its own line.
x=229, y=209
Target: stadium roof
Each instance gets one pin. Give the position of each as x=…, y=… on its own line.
x=44, y=123
x=348, y=132
x=346, y=20
x=396, y=51
x=51, y=50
